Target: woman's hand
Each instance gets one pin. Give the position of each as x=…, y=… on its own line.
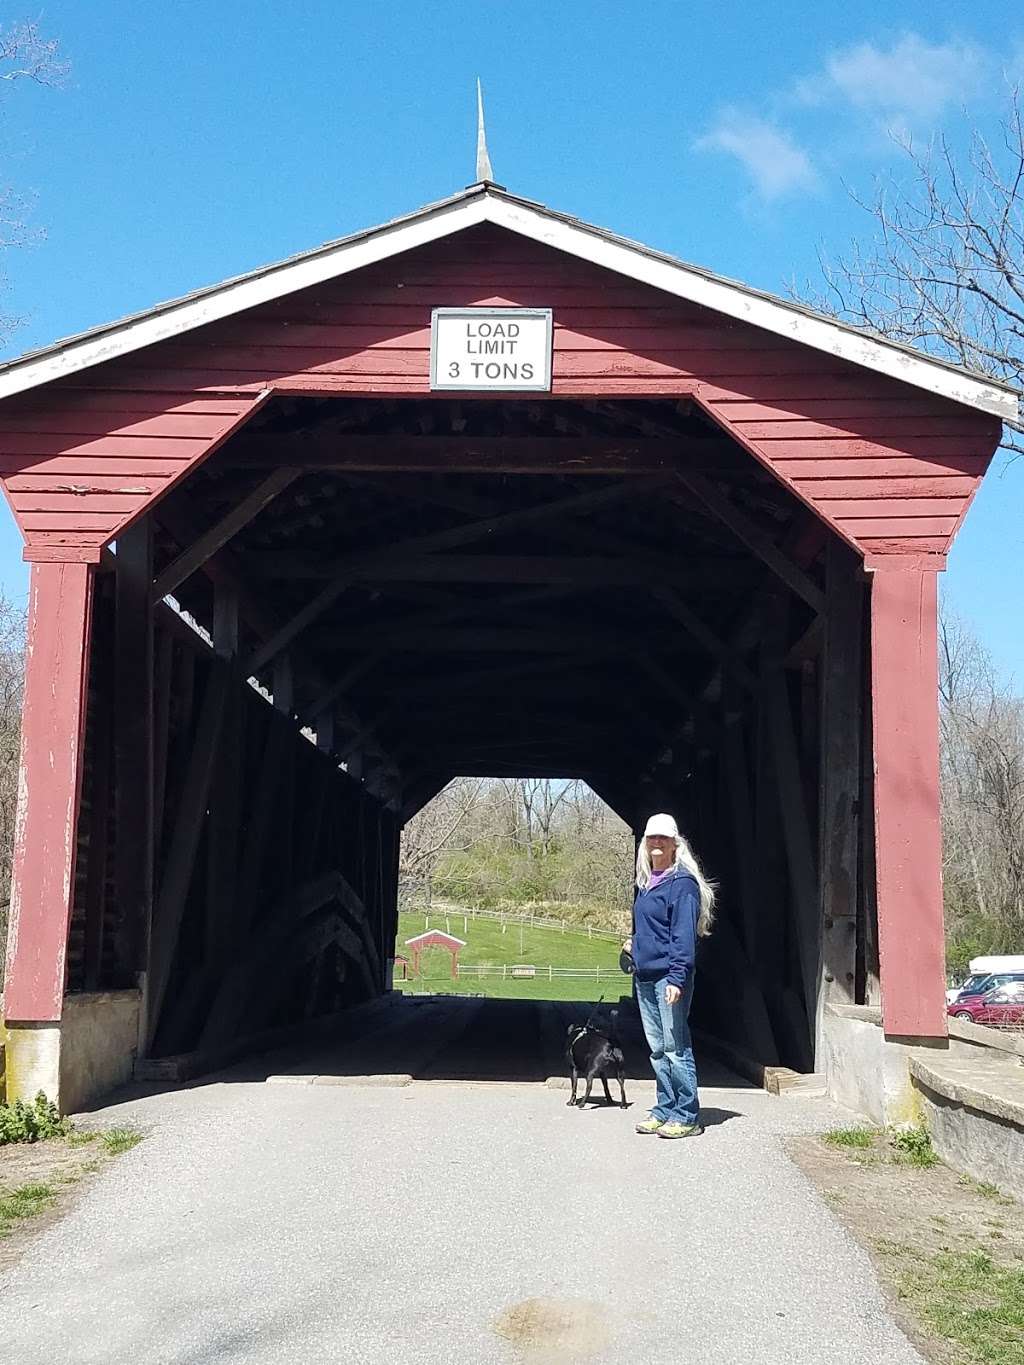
x=627, y=945
x=673, y=995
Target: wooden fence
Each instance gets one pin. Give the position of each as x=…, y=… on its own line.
x=514, y=971
x=452, y=916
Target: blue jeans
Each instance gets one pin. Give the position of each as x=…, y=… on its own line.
x=667, y=1029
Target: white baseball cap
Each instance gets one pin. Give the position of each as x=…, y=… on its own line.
x=662, y=824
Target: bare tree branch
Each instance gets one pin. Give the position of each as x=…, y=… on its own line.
x=26, y=56
x=945, y=268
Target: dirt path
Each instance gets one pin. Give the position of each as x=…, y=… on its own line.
x=926, y=1230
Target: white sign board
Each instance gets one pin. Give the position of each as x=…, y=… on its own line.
x=491, y=348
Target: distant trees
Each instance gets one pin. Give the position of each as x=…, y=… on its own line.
x=982, y=739
x=519, y=841
x=442, y=827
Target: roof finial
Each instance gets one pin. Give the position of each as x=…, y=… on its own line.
x=484, y=173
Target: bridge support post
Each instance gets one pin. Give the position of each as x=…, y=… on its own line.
x=908, y=845
x=49, y=785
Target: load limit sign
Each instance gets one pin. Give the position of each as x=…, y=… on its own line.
x=491, y=348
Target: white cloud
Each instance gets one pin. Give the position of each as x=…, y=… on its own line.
x=773, y=159
x=911, y=79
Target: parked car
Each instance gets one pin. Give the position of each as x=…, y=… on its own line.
x=981, y=983
x=1002, y=1007
x=982, y=969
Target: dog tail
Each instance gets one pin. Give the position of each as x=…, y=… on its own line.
x=613, y=1031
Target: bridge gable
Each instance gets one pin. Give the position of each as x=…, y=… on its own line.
x=891, y=467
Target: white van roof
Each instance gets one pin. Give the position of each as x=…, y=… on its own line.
x=1008, y=962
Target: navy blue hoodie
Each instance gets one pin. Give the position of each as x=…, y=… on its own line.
x=665, y=929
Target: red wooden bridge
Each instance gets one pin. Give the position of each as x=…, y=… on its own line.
x=699, y=572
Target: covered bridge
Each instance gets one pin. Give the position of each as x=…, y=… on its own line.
x=288, y=579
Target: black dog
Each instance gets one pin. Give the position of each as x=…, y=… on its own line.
x=592, y=1053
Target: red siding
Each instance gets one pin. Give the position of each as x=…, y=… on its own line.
x=78, y=466
x=49, y=780
x=890, y=466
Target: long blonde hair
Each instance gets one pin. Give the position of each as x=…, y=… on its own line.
x=685, y=862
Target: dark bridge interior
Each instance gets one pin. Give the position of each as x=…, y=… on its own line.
x=611, y=590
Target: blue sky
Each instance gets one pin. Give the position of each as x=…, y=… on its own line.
x=197, y=140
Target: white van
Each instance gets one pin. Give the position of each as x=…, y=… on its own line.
x=981, y=968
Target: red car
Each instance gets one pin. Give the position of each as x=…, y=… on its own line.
x=1002, y=1007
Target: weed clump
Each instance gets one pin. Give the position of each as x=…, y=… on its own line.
x=23, y=1122
x=913, y=1147
x=23, y=1202
x=118, y=1140
x=850, y=1137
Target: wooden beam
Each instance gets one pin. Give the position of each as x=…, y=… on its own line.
x=809, y=645
x=756, y=540
x=277, y=735
x=736, y=771
x=225, y=572
x=225, y=620
x=222, y=568
x=325, y=701
x=670, y=684
x=487, y=639
x=476, y=681
x=226, y=804
x=133, y=746
x=299, y=926
x=796, y=833
x=181, y=855
x=100, y=801
x=467, y=454
x=163, y=682
x=705, y=636
x=839, y=768
x=581, y=570
x=218, y=535
x=438, y=540
x=772, y=930
x=282, y=687
x=421, y=793
x=427, y=492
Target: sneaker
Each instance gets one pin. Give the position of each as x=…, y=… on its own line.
x=678, y=1130
x=650, y=1124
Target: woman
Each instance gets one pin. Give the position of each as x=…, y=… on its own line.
x=674, y=907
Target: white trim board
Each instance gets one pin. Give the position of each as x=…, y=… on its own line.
x=487, y=204
x=430, y=933
x=760, y=310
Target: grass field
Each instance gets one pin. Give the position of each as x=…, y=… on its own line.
x=488, y=943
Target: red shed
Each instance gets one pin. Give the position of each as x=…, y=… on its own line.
x=434, y=938
x=687, y=552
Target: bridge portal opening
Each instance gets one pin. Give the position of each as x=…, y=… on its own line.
x=514, y=888
x=358, y=600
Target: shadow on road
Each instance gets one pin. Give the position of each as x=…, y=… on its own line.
x=448, y=1037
